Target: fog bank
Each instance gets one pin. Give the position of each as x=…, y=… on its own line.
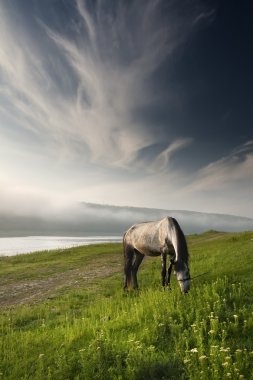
x=88, y=219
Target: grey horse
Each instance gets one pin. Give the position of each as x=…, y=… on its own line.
x=159, y=238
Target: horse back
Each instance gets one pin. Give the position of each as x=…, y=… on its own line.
x=149, y=238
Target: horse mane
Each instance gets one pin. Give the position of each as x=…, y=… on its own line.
x=181, y=241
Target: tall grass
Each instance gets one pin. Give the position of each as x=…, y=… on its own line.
x=104, y=333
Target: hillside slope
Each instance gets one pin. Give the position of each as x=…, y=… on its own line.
x=92, y=329
x=87, y=327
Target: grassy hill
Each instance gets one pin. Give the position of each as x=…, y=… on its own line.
x=64, y=315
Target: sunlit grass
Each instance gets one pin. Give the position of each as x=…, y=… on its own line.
x=101, y=332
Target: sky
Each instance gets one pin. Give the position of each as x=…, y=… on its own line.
x=143, y=103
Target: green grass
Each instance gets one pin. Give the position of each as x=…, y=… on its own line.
x=100, y=332
x=41, y=264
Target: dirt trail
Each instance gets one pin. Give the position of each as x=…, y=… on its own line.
x=32, y=291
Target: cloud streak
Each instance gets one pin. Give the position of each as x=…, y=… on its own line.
x=161, y=162
x=80, y=93
x=232, y=169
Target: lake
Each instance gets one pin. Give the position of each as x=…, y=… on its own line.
x=10, y=246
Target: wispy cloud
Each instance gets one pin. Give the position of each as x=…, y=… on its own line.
x=203, y=16
x=161, y=162
x=234, y=169
x=80, y=93
x=75, y=100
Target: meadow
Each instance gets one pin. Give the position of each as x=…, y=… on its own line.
x=89, y=328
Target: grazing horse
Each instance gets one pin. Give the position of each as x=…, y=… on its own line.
x=160, y=238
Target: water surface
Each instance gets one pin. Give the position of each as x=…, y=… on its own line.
x=11, y=246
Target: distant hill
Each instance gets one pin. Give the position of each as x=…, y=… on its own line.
x=96, y=219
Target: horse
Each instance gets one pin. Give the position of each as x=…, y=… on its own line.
x=158, y=238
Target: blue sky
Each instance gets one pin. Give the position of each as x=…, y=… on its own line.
x=139, y=103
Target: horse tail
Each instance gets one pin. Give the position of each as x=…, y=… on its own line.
x=128, y=262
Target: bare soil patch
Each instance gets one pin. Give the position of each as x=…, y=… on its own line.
x=36, y=290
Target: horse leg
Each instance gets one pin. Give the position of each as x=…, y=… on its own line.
x=169, y=272
x=137, y=262
x=128, y=257
x=163, y=272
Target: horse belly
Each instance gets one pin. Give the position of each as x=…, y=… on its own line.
x=149, y=250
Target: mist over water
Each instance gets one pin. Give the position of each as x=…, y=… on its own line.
x=82, y=220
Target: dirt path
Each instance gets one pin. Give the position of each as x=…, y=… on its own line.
x=32, y=291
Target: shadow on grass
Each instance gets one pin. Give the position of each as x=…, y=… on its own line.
x=161, y=371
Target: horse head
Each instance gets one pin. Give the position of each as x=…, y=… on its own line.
x=182, y=273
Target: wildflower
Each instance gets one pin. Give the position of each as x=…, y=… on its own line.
x=238, y=350
x=235, y=316
x=228, y=374
x=41, y=356
x=224, y=349
x=186, y=361
x=82, y=349
x=227, y=357
x=203, y=357
x=194, y=349
x=211, y=332
x=214, y=346
x=225, y=364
